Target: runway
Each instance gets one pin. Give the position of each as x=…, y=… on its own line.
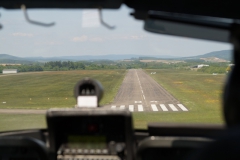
x=139, y=93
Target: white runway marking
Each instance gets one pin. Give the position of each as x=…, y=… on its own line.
x=182, y=107
x=140, y=108
x=173, y=107
x=153, y=101
x=164, y=108
x=140, y=84
x=154, y=107
x=131, y=108
x=113, y=107
x=122, y=107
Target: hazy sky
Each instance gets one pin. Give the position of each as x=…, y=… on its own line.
x=78, y=32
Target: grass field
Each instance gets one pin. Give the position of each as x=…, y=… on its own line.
x=22, y=121
x=45, y=90
x=200, y=93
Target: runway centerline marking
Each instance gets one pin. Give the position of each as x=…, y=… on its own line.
x=140, y=86
x=140, y=108
x=182, y=107
x=131, y=108
x=154, y=107
x=173, y=107
x=164, y=108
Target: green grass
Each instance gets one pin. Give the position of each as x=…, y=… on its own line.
x=45, y=90
x=142, y=119
x=21, y=121
x=200, y=93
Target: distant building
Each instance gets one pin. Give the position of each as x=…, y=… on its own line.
x=9, y=71
x=202, y=65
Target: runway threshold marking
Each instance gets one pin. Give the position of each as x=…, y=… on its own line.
x=143, y=96
x=140, y=108
x=122, y=107
x=113, y=107
x=131, y=108
x=182, y=107
x=163, y=107
x=154, y=107
x=173, y=107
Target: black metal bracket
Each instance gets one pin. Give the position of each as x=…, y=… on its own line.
x=102, y=21
x=0, y=24
x=23, y=7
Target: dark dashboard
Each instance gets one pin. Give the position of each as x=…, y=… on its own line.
x=100, y=134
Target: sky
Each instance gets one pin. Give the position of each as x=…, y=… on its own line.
x=78, y=32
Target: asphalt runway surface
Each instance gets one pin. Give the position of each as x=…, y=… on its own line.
x=139, y=93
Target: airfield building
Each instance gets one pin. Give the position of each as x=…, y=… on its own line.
x=9, y=71
x=200, y=66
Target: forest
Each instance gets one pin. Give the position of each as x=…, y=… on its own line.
x=107, y=64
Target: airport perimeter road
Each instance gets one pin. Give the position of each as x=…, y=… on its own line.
x=139, y=92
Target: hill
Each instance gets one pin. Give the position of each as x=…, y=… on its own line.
x=5, y=58
x=217, y=55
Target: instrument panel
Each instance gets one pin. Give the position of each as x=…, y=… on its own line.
x=91, y=134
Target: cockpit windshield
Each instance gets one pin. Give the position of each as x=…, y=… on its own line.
x=158, y=78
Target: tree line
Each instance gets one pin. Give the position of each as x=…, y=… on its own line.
x=103, y=65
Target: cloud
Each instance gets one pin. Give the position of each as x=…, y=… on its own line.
x=96, y=39
x=22, y=34
x=49, y=43
x=86, y=38
x=128, y=37
x=161, y=51
x=80, y=39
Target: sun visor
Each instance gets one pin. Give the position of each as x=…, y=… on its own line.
x=186, y=30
